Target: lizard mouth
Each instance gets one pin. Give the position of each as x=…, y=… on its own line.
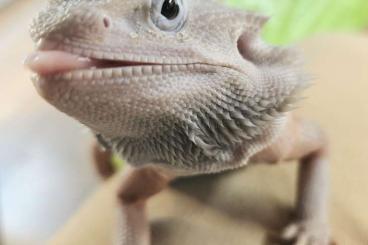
x=47, y=61
x=52, y=62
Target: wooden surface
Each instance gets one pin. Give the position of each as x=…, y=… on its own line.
x=244, y=207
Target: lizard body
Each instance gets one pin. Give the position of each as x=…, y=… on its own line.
x=176, y=87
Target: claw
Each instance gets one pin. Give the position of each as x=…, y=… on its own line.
x=302, y=239
x=290, y=232
x=306, y=233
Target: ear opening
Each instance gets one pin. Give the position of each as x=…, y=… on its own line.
x=244, y=46
x=249, y=38
x=253, y=49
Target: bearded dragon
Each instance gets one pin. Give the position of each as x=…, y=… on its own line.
x=179, y=88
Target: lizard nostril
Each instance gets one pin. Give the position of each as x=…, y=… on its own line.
x=106, y=22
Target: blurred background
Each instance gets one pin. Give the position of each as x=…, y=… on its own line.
x=45, y=165
x=45, y=161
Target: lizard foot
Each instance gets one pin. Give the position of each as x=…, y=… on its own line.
x=307, y=233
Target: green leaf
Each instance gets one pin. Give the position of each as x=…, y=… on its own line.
x=292, y=20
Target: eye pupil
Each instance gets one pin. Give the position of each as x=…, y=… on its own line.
x=170, y=9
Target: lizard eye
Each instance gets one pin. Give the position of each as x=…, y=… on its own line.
x=170, y=9
x=168, y=15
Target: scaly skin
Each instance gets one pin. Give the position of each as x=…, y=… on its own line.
x=175, y=93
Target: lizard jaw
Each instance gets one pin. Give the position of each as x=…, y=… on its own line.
x=54, y=62
x=48, y=60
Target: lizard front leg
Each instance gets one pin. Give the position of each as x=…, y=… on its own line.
x=138, y=185
x=305, y=142
x=311, y=226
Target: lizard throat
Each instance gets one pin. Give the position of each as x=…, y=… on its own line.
x=52, y=62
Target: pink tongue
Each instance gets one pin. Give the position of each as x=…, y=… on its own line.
x=51, y=62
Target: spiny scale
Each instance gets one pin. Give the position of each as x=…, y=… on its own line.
x=214, y=95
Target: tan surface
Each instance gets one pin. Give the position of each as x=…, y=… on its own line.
x=238, y=208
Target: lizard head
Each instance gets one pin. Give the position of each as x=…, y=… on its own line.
x=133, y=68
